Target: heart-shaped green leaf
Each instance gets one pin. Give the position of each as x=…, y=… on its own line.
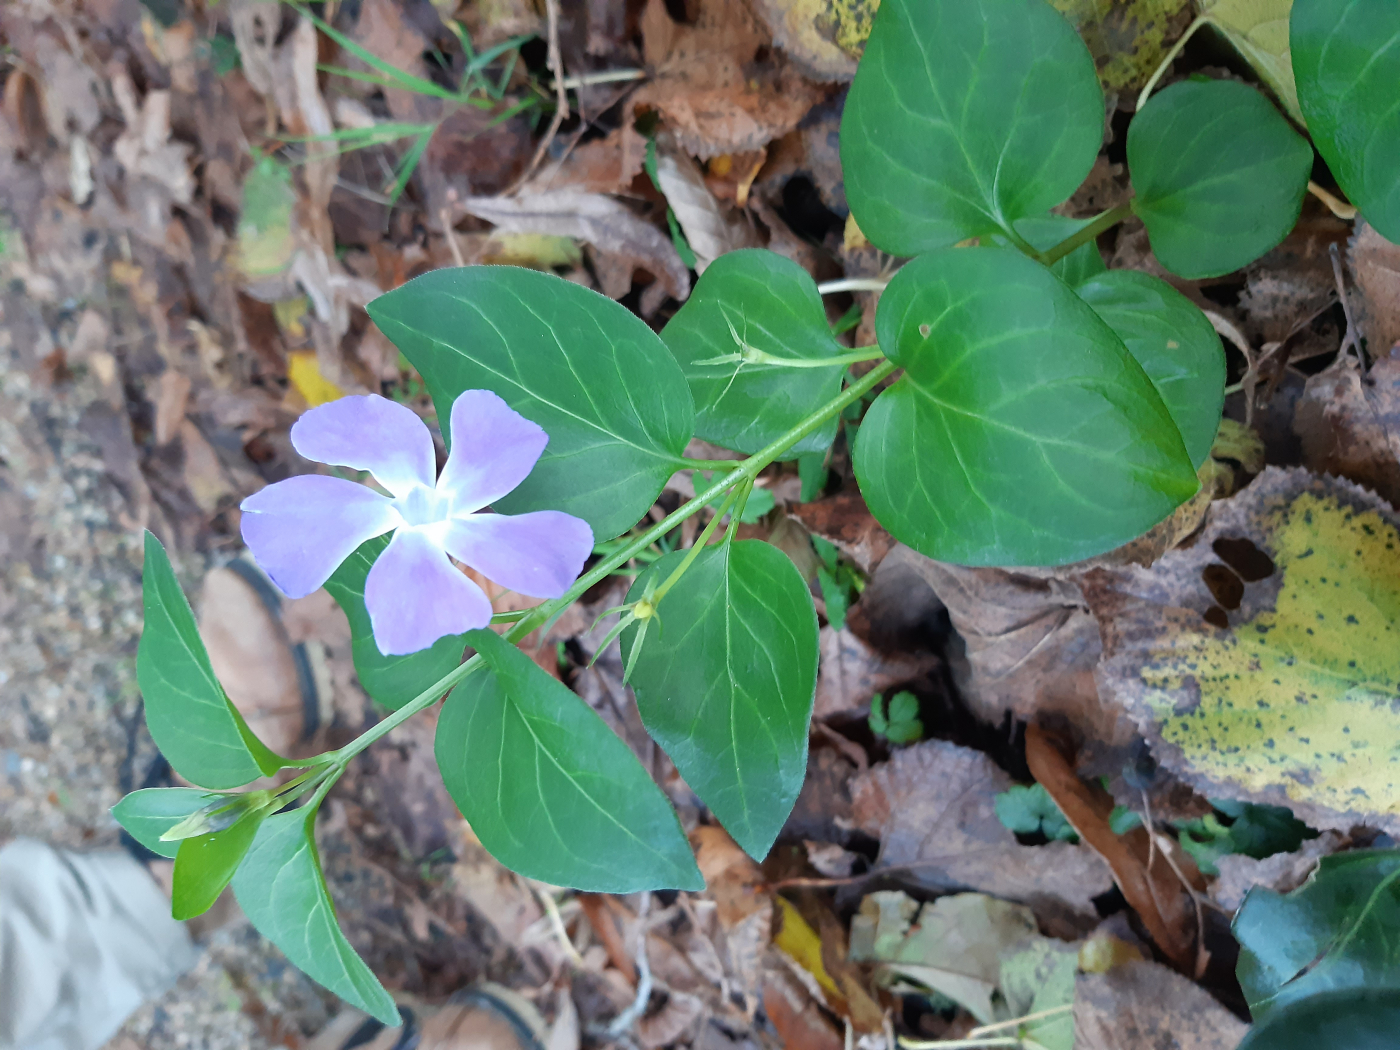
x=1219, y=174
x=193, y=723
x=1043, y=232
x=281, y=889
x=1022, y=431
x=725, y=682
x=391, y=680
x=965, y=116
x=1346, y=56
x=205, y=864
x=151, y=812
x=1349, y=1019
x=1335, y=931
x=590, y=372
x=756, y=299
x=1175, y=344
x=547, y=786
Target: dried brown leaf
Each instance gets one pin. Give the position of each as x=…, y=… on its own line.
x=1376, y=264
x=1144, y=1006
x=844, y=519
x=931, y=807
x=1282, y=873
x=712, y=228
x=851, y=672
x=1349, y=422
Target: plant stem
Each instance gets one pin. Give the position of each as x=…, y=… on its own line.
x=853, y=284
x=747, y=470
x=1106, y=221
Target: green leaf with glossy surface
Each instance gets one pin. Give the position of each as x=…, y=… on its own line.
x=1351, y=1019
x=966, y=116
x=725, y=682
x=1337, y=930
x=590, y=372
x=1022, y=431
x=193, y=723
x=205, y=864
x=1346, y=56
x=151, y=812
x=1043, y=232
x=754, y=298
x=1219, y=173
x=1175, y=344
x=281, y=889
x=548, y=788
x=391, y=680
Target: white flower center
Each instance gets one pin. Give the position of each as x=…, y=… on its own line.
x=423, y=506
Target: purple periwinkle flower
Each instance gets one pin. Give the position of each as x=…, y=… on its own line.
x=301, y=529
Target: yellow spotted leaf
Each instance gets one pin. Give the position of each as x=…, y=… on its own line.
x=824, y=37
x=1263, y=662
x=1128, y=38
x=1258, y=29
x=305, y=375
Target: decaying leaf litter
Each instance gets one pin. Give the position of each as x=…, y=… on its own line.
x=200, y=200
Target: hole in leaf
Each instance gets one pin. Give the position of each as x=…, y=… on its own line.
x=1245, y=558
x=925, y=329
x=1216, y=617
x=1226, y=587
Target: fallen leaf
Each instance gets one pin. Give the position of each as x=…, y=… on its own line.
x=799, y=1024
x=721, y=88
x=851, y=672
x=1127, y=39
x=1037, y=978
x=1262, y=663
x=711, y=228
x=844, y=519
x=898, y=610
x=600, y=221
x=1281, y=873
x=824, y=37
x=931, y=806
x=1259, y=31
x=1349, y=423
x=1144, y=1006
x=1376, y=264
x=1141, y=869
x=305, y=375
x=172, y=397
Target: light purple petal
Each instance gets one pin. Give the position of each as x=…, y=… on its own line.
x=416, y=596
x=301, y=529
x=493, y=448
x=370, y=433
x=539, y=554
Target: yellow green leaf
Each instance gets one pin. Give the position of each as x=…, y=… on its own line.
x=305, y=375
x=1258, y=29
x=1127, y=39
x=266, y=242
x=1295, y=700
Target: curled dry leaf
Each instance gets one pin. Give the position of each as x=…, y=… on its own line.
x=824, y=37
x=931, y=807
x=1144, y=1006
x=851, y=672
x=721, y=89
x=711, y=228
x=844, y=519
x=1349, y=421
x=1263, y=662
x=601, y=221
x=1141, y=870
x=1282, y=873
x=1376, y=264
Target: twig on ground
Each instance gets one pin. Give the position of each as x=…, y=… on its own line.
x=1352, y=337
x=625, y=1020
x=555, y=62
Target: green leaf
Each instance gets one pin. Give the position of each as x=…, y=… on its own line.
x=1028, y=809
x=1258, y=29
x=725, y=682
x=590, y=372
x=1022, y=431
x=151, y=812
x=835, y=598
x=1175, y=344
x=1352, y=1019
x=1348, y=65
x=1043, y=232
x=1335, y=931
x=966, y=116
x=193, y=723
x=548, y=788
x=754, y=298
x=391, y=680
x=812, y=472
x=205, y=864
x=281, y=889
x=1219, y=174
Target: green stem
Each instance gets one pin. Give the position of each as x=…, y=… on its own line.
x=747, y=469
x=697, y=546
x=1009, y=232
x=709, y=464
x=853, y=284
x=1106, y=221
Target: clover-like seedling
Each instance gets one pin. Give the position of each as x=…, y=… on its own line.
x=901, y=725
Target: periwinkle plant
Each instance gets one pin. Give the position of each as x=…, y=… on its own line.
x=1030, y=407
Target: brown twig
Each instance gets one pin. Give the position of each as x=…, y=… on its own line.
x=555, y=61
x=1352, y=338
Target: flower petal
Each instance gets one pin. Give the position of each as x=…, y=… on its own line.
x=415, y=596
x=369, y=432
x=539, y=554
x=301, y=529
x=494, y=447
